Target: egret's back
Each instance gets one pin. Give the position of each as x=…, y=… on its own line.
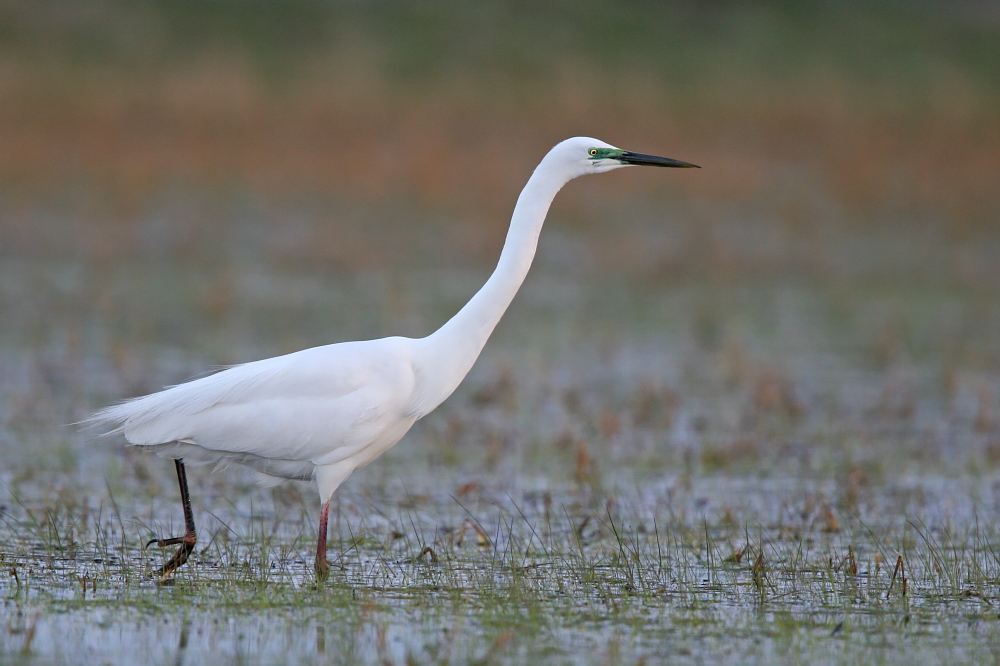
x=318, y=405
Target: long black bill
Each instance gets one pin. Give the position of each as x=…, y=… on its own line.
x=638, y=159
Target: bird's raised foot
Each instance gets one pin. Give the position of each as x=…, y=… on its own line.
x=187, y=543
x=173, y=541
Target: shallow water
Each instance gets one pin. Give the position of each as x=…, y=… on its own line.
x=562, y=573
x=740, y=472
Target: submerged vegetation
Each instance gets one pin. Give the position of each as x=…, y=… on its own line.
x=761, y=568
x=668, y=572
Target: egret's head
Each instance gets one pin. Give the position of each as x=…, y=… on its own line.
x=582, y=155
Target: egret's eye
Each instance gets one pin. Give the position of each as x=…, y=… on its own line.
x=593, y=152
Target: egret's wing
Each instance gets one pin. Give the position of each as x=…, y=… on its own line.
x=154, y=418
x=293, y=407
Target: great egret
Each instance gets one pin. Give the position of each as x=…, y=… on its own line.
x=324, y=412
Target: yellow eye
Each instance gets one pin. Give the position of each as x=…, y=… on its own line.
x=593, y=152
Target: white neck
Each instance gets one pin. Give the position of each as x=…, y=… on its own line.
x=452, y=349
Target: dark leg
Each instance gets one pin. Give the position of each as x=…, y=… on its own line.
x=189, y=539
x=322, y=565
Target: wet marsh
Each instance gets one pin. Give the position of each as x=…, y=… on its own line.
x=748, y=414
x=752, y=470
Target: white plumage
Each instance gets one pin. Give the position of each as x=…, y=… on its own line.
x=321, y=413
x=283, y=416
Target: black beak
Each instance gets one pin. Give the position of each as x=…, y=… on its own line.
x=638, y=159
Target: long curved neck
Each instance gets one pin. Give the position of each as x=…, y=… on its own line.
x=454, y=347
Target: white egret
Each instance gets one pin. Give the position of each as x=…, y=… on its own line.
x=324, y=412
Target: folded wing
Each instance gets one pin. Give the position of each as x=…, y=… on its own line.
x=302, y=406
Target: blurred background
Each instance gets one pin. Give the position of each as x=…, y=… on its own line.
x=194, y=183
x=796, y=346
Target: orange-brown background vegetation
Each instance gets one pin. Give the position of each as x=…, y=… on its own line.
x=383, y=129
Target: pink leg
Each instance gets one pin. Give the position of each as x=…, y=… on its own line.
x=322, y=565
